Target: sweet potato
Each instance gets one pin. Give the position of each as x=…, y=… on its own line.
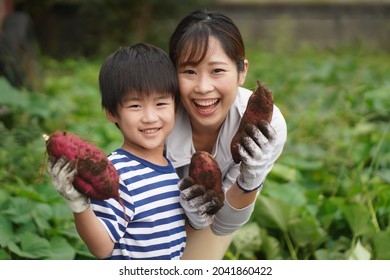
x=259, y=109
x=96, y=176
x=205, y=171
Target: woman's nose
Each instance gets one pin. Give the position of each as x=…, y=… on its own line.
x=204, y=84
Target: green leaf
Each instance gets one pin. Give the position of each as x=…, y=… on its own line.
x=324, y=254
x=302, y=164
x=333, y=249
x=21, y=229
x=284, y=172
x=247, y=240
x=358, y=218
x=378, y=99
x=4, y=255
x=271, y=247
x=305, y=231
x=289, y=193
x=381, y=245
x=272, y=213
x=35, y=246
x=6, y=233
x=12, y=96
x=384, y=175
x=61, y=249
x=19, y=210
x=41, y=214
x=4, y=198
x=19, y=252
x=329, y=211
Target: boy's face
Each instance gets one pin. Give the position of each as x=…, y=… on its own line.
x=145, y=123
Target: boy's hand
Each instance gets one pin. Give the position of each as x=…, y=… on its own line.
x=255, y=150
x=62, y=174
x=199, y=204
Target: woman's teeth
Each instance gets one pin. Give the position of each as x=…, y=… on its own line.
x=205, y=102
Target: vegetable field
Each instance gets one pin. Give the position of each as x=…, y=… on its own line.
x=327, y=197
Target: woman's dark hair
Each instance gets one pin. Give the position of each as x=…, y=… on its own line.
x=139, y=70
x=189, y=42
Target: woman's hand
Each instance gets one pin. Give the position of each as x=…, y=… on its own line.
x=255, y=150
x=199, y=204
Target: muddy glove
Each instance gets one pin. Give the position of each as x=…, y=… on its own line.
x=255, y=149
x=62, y=174
x=199, y=204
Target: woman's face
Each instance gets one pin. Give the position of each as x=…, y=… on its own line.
x=208, y=90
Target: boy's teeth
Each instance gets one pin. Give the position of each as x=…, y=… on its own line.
x=150, y=130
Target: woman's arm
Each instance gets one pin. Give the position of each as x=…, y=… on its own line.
x=239, y=205
x=205, y=245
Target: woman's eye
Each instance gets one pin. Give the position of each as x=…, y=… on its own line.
x=188, y=71
x=216, y=71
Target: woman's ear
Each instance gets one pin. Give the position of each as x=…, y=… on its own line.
x=242, y=74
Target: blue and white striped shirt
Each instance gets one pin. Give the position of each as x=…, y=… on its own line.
x=156, y=227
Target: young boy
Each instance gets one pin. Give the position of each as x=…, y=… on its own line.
x=139, y=89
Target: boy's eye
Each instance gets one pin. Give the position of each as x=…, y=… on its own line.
x=133, y=106
x=164, y=102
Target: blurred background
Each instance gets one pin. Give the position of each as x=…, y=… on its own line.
x=326, y=61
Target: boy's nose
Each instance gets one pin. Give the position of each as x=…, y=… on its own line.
x=150, y=115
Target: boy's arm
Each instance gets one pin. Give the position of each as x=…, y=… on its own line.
x=93, y=233
x=89, y=227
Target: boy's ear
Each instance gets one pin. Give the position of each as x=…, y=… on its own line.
x=110, y=116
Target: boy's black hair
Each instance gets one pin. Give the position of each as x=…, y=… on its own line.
x=139, y=71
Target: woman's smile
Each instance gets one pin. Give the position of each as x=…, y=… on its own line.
x=206, y=106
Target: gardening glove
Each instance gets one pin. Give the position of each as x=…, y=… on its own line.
x=255, y=149
x=62, y=174
x=199, y=204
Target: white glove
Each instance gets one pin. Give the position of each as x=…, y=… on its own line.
x=255, y=149
x=199, y=204
x=62, y=174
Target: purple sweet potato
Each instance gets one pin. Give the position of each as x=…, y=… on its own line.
x=205, y=171
x=96, y=176
x=259, y=109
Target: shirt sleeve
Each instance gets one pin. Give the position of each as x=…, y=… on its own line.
x=228, y=219
x=111, y=213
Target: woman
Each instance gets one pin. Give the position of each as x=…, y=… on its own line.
x=209, y=55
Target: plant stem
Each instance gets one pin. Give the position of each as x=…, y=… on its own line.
x=372, y=213
x=372, y=168
x=290, y=245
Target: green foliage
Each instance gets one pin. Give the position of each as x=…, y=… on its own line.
x=327, y=197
